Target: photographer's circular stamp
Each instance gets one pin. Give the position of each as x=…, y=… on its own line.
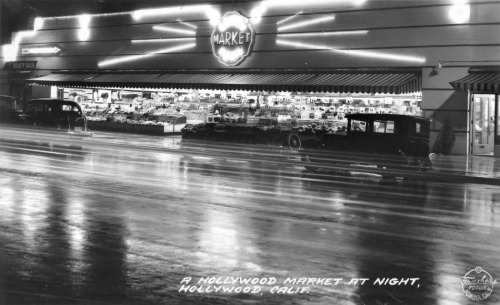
x=477, y=284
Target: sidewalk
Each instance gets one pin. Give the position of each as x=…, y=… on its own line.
x=471, y=166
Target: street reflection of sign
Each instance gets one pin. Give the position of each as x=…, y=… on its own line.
x=232, y=39
x=20, y=65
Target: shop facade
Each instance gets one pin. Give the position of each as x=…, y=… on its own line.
x=313, y=61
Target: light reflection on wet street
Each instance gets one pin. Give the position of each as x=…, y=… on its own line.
x=118, y=223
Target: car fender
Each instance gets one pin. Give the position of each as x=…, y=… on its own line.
x=313, y=144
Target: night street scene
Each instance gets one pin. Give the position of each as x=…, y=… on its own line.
x=249, y=152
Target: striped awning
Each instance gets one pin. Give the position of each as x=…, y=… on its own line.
x=346, y=82
x=488, y=82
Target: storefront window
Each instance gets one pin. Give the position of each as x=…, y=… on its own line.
x=250, y=107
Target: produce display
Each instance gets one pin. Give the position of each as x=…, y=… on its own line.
x=261, y=114
x=148, y=117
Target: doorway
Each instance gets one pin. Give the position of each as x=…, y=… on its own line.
x=483, y=124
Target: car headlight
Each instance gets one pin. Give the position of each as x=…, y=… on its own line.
x=432, y=157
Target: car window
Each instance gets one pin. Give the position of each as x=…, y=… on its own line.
x=358, y=126
x=67, y=107
x=29, y=108
x=421, y=129
x=39, y=107
x=70, y=108
x=383, y=126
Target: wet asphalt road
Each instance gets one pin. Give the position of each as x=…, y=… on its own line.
x=123, y=219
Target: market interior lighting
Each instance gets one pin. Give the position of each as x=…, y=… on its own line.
x=288, y=18
x=459, y=12
x=307, y=22
x=136, y=57
x=311, y=34
x=173, y=30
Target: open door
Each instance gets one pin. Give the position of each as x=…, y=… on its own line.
x=483, y=124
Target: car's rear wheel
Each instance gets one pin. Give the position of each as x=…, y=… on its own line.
x=294, y=142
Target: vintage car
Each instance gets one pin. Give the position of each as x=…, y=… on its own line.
x=55, y=113
x=8, y=112
x=388, y=141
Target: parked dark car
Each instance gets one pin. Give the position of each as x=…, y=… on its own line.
x=54, y=113
x=388, y=141
x=8, y=112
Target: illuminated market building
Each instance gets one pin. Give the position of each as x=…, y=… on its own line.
x=284, y=60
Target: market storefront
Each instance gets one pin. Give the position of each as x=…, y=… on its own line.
x=163, y=98
x=299, y=61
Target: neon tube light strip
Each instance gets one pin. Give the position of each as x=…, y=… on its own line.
x=156, y=40
x=207, y=9
x=353, y=52
x=169, y=11
x=303, y=45
x=135, y=57
x=288, y=18
x=304, y=23
x=310, y=3
x=174, y=30
x=187, y=24
x=177, y=48
x=257, y=13
x=382, y=55
x=10, y=52
x=324, y=33
x=38, y=23
x=21, y=35
x=46, y=50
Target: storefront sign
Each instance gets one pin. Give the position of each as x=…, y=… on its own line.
x=232, y=39
x=20, y=65
x=43, y=50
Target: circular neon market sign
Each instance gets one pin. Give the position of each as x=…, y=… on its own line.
x=232, y=39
